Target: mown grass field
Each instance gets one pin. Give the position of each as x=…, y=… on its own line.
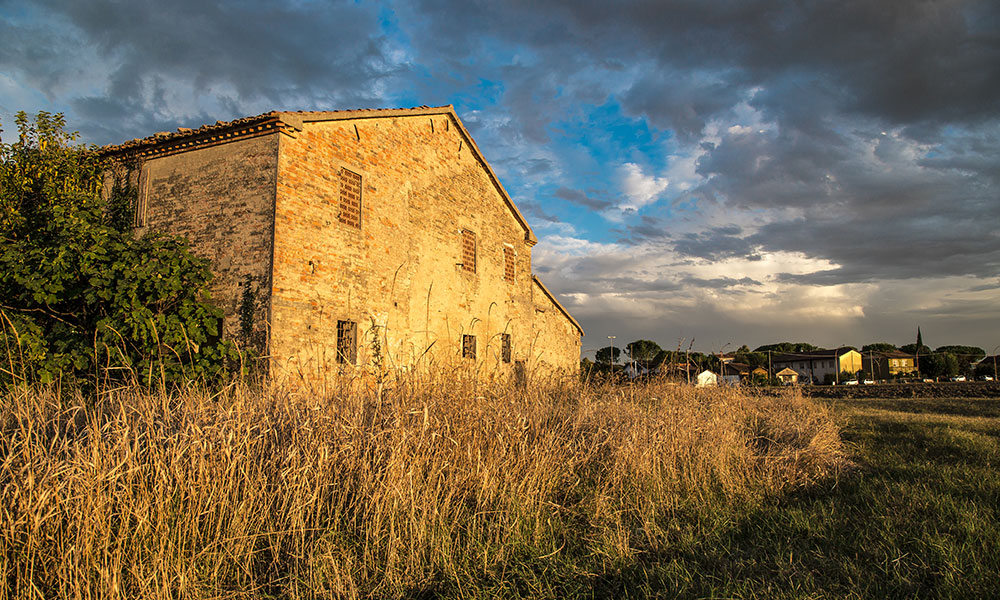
x=456, y=489
x=917, y=517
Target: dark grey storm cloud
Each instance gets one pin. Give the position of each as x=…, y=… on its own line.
x=864, y=203
x=829, y=77
x=247, y=55
x=716, y=244
x=582, y=199
x=720, y=283
x=896, y=60
x=868, y=131
x=535, y=210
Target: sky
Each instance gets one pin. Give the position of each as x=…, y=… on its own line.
x=723, y=172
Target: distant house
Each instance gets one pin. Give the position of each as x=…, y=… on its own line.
x=736, y=372
x=707, y=378
x=888, y=365
x=787, y=376
x=635, y=369
x=820, y=365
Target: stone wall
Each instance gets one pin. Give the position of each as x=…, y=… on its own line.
x=399, y=276
x=221, y=198
x=556, y=340
x=261, y=198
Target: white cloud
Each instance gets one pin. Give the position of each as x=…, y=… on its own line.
x=640, y=189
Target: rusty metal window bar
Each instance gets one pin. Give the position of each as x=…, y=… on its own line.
x=139, y=219
x=350, y=198
x=347, y=342
x=468, y=251
x=508, y=263
x=469, y=346
x=505, y=348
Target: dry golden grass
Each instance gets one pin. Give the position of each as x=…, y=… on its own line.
x=419, y=485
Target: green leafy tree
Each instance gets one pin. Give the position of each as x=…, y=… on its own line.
x=989, y=367
x=754, y=359
x=914, y=349
x=973, y=353
x=788, y=347
x=605, y=356
x=705, y=361
x=939, y=364
x=80, y=295
x=879, y=347
x=642, y=351
x=966, y=357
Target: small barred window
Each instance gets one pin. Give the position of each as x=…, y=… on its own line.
x=508, y=263
x=350, y=198
x=469, y=346
x=505, y=349
x=468, y=251
x=347, y=342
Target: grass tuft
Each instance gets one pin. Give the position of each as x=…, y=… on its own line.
x=414, y=488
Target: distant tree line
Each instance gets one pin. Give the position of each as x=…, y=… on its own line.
x=944, y=361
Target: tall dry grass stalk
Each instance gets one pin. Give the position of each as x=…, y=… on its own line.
x=418, y=485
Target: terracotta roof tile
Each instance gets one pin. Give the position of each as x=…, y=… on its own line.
x=274, y=115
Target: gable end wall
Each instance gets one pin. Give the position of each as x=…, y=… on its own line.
x=399, y=275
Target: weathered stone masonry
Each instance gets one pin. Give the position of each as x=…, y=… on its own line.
x=261, y=197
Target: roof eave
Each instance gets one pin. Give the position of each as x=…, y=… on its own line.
x=558, y=305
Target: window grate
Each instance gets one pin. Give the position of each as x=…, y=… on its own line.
x=469, y=346
x=508, y=263
x=347, y=342
x=350, y=198
x=139, y=218
x=468, y=251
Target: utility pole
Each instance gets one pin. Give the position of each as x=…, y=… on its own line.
x=612, y=338
x=687, y=361
x=995, y=363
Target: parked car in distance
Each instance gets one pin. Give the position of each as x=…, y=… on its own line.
x=987, y=378
x=958, y=378
x=869, y=382
x=849, y=382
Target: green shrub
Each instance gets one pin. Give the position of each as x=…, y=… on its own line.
x=82, y=297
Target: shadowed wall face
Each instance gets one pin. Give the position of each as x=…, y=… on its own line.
x=221, y=198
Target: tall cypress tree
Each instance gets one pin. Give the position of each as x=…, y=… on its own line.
x=916, y=353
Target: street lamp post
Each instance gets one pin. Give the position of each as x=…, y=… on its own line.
x=995, y=363
x=612, y=359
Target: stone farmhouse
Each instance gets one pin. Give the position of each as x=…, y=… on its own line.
x=347, y=237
